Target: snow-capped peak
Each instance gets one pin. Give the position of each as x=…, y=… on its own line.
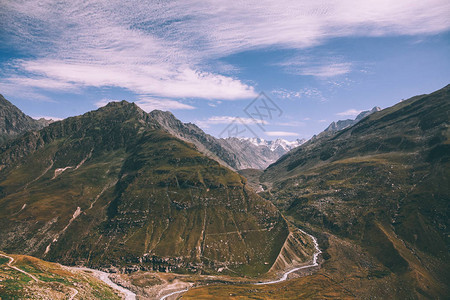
x=274, y=145
x=286, y=145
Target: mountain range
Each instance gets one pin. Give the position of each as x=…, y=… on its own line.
x=125, y=190
x=234, y=153
x=113, y=188
x=378, y=192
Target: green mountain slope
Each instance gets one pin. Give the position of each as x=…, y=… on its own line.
x=382, y=184
x=111, y=188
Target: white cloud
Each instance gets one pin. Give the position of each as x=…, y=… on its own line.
x=312, y=93
x=322, y=66
x=215, y=120
x=62, y=75
x=43, y=83
x=158, y=48
x=281, y=133
x=327, y=70
x=291, y=124
x=105, y=101
x=214, y=104
x=11, y=89
x=149, y=104
x=349, y=113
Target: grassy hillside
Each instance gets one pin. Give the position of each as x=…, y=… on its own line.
x=49, y=281
x=310, y=287
x=112, y=189
x=382, y=185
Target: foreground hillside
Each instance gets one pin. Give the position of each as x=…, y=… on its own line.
x=381, y=186
x=112, y=189
x=26, y=277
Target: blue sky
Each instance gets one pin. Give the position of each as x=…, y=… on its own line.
x=207, y=61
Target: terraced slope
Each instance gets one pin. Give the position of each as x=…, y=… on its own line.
x=110, y=188
x=382, y=185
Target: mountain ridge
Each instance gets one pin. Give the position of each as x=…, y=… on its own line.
x=111, y=188
x=13, y=122
x=342, y=124
x=235, y=153
x=381, y=185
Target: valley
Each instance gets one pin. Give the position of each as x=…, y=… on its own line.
x=266, y=150
x=156, y=285
x=119, y=203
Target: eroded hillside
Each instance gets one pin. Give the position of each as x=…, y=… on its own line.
x=383, y=185
x=111, y=189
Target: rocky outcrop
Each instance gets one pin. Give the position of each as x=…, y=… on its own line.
x=342, y=124
x=13, y=122
x=297, y=250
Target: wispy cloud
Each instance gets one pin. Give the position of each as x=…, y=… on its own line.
x=327, y=70
x=322, y=66
x=8, y=88
x=140, y=79
x=312, y=93
x=158, y=48
x=349, y=113
x=215, y=120
x=291, y=124
x=149, y=104
x=281, y=133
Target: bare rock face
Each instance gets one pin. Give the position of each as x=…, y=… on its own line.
x=342, y=124
x=14, y=122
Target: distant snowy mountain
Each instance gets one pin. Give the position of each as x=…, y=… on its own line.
x=235, y=153
x=260, y=153
x=274, y=145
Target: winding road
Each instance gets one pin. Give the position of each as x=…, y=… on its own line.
x=173, y=293
x=11, y=260
x=103, y=276
x=129, y=295
x=314, y=263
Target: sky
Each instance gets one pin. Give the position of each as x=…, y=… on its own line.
x=267, y=69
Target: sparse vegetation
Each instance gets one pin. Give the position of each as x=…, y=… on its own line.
x=55, y=281
x=384, y=187
x=131, y=197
